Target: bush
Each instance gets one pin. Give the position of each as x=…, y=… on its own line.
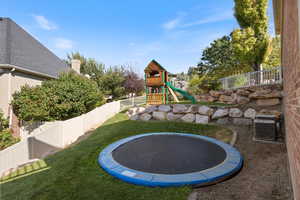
x=203, y=84
x=69, y=96
x=3, y=122
x=6, y=139
x=240, y=81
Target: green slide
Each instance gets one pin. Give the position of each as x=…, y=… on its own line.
x=182, y=92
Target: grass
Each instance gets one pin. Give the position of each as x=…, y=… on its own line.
x=203, y=103
x=25, y=170
x=74, y=173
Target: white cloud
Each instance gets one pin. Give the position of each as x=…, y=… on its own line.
x=178, y=22
x=44, y=23
x=62, y=43
x=211, y=19
x=174, y=23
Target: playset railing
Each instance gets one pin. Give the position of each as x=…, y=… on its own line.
x=155, y=98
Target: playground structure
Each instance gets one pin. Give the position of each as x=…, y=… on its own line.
x=158, y=86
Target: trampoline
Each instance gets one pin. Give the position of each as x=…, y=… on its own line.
x=170, y=159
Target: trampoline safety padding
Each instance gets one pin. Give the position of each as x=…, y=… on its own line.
x=170, y=159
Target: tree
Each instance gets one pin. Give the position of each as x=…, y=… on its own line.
x=191, y=71
x=219, y=60
x=181, y=76
x=273, y=59
x=202, y=84
x=133, y=83
x=76, y=56
x=88, y=66
x=112, y=82
x=251, y=42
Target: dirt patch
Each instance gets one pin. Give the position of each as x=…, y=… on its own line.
x=264, y=176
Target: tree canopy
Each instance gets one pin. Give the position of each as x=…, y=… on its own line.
x=114, y=81
x=273, y=59
x=219, y=60
x=133, y=83
x=251, y=41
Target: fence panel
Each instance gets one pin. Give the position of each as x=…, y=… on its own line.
x=40, y=139
x=257, y=78
x=134, y=101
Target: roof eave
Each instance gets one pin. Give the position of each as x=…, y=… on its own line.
x=27, y=71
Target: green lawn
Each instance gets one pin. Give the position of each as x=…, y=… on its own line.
x=74, y=173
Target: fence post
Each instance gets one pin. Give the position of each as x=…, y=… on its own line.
x=132, y=100
x=280, y=74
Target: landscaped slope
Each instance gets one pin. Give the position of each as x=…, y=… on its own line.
x=74, y=173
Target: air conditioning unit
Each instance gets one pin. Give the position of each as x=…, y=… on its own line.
x=267, y=128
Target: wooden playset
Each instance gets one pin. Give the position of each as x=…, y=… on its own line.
x=158, y=85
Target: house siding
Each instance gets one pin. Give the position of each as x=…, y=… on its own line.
x=4, y=93
x=291, y=73
x=8, y=86
x=20, y=79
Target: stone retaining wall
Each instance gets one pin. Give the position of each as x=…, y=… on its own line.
x=197, y=114
x=268, y=95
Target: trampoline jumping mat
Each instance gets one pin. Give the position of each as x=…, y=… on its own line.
x=170, y=159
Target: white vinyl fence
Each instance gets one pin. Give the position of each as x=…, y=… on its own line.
x=52, y=136
x=134, y=101
x=257, y=78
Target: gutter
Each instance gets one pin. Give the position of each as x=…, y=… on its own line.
x=21, y=69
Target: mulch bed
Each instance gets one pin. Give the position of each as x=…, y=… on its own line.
x=265, y=175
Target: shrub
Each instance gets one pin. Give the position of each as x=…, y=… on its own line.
x=203, y=84
x=6, y=139
x=33, y=103
x=240, y=81
x=69, y=96
x=3, y=122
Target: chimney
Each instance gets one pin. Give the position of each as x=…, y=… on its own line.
x=75, y=65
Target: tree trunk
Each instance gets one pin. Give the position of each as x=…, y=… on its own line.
x=256, y=66
x=258, y=78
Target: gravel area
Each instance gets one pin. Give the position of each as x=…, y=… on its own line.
x=264, y=176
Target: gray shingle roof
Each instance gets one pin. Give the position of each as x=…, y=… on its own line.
x=20, y=49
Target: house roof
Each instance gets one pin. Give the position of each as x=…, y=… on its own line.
x=18, y=48
x=154, y=65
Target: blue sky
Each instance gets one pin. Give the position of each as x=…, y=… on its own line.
x=126, y=32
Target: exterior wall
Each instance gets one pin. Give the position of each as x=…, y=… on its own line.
x=10, y=82
x=291, y=76
x=20, y=79
x=4, y=93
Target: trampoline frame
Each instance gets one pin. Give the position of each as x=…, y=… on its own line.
x=232, y=163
